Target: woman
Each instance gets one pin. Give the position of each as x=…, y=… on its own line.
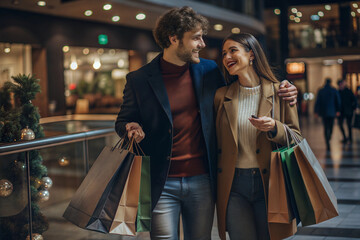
x=246, y=135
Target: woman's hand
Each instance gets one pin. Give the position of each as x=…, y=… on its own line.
x=264, y=124
x=288, y=92
x=135, y=130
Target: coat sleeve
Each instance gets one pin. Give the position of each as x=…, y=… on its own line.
x=288, y=116
x=129, y=111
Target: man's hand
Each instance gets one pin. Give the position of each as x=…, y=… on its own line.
x=134, y=130
x=288, y=92
x=264, y=124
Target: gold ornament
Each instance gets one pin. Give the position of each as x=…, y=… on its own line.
x=47, y=182
x=35, y=236
x=27, y=134
x=36, y=182
x=64, y=161
x=6, y=188
x=44, y=195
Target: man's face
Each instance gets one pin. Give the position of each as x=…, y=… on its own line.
x=190, y=46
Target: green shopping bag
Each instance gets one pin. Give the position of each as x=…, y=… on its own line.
x=143, y=221
x=303, y=204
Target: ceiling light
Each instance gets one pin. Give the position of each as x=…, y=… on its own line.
x=7, y=50
x=100, y=51
x=73, y=64
x=107, y=7
x=355, y=5
x=292, y=17
x=328, y=7
x=66, y=48
x=88, y=13
x=320, y=13
x=235, y=30
x=358, y=10
x=297, y=19
x=115, y=18
x=353, y=14
x=340, y=61
x=315, y=17
x=218, y=27
x=277, y=11
x=294, y=10
x=97, y=63
x=140, y=16
x=86, y=51
x=121, y=63
x=299, y=14
x=41, y=3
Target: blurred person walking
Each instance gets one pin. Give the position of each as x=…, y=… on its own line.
x=348, y=106
x=327, y=106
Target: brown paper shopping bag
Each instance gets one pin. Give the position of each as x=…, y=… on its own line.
x=322, y=197
x=279, y=209
x=125, y=217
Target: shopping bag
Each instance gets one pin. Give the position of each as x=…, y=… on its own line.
x=303, y=204
x=357, y=121
x=94, y=204
x=279, y=208
x=143, y=221
x=321, y=195
x=125, y=217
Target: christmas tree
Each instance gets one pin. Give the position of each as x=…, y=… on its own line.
x=13, y=121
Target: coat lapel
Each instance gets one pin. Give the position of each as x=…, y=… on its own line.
x=265, y=105
x=157, y=84
x=231, y=105
x=196, y=71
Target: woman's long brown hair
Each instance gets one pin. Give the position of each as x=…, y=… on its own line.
x=260, y=62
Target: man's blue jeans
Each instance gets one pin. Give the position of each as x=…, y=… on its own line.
x=190, y=196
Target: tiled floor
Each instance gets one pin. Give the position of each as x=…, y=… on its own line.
x=342, y=167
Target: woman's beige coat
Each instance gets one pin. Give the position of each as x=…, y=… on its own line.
x=226, y=108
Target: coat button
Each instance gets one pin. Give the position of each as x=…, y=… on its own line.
x=219, y=170
x=257, y=151
x=264, y=171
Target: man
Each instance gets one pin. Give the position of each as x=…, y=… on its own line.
x=347, y=108
x=168, y=106
x=327, y=106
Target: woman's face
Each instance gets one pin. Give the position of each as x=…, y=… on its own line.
x=235, y=59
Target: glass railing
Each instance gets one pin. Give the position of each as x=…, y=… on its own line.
x=68, y=151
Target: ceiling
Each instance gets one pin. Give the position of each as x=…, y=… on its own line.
x=128, y=9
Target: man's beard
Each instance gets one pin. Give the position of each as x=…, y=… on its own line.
x=186, y=55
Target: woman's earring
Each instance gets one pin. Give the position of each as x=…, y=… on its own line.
x=251, y=62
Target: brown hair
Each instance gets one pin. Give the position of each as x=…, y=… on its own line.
x=260, y=62
x=176, y=22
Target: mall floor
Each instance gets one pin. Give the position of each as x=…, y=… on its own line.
x=341, y=165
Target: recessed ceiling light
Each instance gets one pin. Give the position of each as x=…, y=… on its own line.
x=115, y=18
x=353, y=14
x=7, y=50
x=292, y=17
x=299, y=14
x=88, y=13
x=315, y=17
x=41, y=3
x=294, y=10
x=320, y=13
x=66, y=48
x=107, y=7
x=358, y=10
x=235, y=30
x=140, y=16
x=86, y=51
x=355, y=5
x=277, y=11
x=328, y=7
x=218, y=27
x=297, y=19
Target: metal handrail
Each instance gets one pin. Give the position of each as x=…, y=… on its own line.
x=45, y=142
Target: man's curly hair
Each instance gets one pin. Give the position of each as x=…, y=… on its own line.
x=176, y=22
